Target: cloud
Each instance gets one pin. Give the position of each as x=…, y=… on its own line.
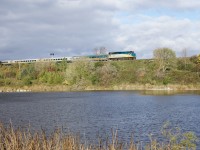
x=39, y=30
x=161, y=32
x=170, y=4
x=35, y=28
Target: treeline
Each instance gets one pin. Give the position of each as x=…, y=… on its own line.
x=164, y=69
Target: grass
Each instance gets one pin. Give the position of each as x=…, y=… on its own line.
x=24, y=139
x=111, y=75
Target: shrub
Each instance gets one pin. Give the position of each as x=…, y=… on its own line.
x=27, y=81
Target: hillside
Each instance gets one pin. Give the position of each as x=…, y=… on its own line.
x=182, y=73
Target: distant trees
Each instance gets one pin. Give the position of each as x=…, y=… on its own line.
x=165, y=58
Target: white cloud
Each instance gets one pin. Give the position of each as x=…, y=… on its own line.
x=161, y=32
x=171, y=4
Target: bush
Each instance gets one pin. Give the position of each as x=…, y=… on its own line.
x=27, y=81
x=107, y=74
x=51, y=78
x=166, y=80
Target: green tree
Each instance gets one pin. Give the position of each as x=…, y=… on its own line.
x=194, y=59
x=198, y=58
x=61, y=66
x=27, y=80
x=80, y=73
x=165, y=58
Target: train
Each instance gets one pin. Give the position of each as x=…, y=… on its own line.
x=111, y=56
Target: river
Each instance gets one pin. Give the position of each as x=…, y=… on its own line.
x=95, y=113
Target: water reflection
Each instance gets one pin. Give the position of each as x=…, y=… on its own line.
x=168, y=92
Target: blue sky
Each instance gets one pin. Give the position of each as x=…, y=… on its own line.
x=36, y=28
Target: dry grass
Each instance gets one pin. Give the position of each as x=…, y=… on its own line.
x=24, y=139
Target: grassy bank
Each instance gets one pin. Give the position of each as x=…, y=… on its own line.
x=181, y=74
x=24, y=139
x=65, y=88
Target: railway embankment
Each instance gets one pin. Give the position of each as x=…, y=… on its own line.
x=175, y=74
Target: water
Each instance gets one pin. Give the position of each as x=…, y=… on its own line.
x=93, y=113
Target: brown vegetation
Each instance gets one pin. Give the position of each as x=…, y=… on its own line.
x=24, y=139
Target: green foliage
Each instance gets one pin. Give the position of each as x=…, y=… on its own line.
x=95, y=79
x=166, y=80
x=165, y=58
x=198, y=61
x=27, y=81
x=194, y=59
x=177, y=139
x=163, y=70
x=99, y=64
x=7, y=81
x=51, y=78
x=188, y=140
x=61, y=66
x=184, y=77
x=80, y=73
x=1, y=82
x=188, y=65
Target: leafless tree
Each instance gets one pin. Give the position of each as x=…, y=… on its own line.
x=100, y=51
x=96, y=51
x=103, y=50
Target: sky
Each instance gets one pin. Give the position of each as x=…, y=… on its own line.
x=36, y=28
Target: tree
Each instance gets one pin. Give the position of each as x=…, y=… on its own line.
x=165, y=57
x=184, y=52
x=100, y=51
x=107, y=74
x=198, y=58
x=79, y=73
x=194, y=59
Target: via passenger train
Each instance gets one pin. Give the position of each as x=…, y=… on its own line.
x=112, y=56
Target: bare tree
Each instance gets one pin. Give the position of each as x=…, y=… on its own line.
x=103, y=50
x=96, y=51
x=100, y=51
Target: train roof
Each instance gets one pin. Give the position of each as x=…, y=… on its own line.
x=121, y=52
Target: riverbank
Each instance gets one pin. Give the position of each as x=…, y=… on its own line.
x=63, y=88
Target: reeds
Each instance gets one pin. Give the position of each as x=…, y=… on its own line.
x=23, y=139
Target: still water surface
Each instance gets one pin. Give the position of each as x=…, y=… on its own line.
x=92, y=113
